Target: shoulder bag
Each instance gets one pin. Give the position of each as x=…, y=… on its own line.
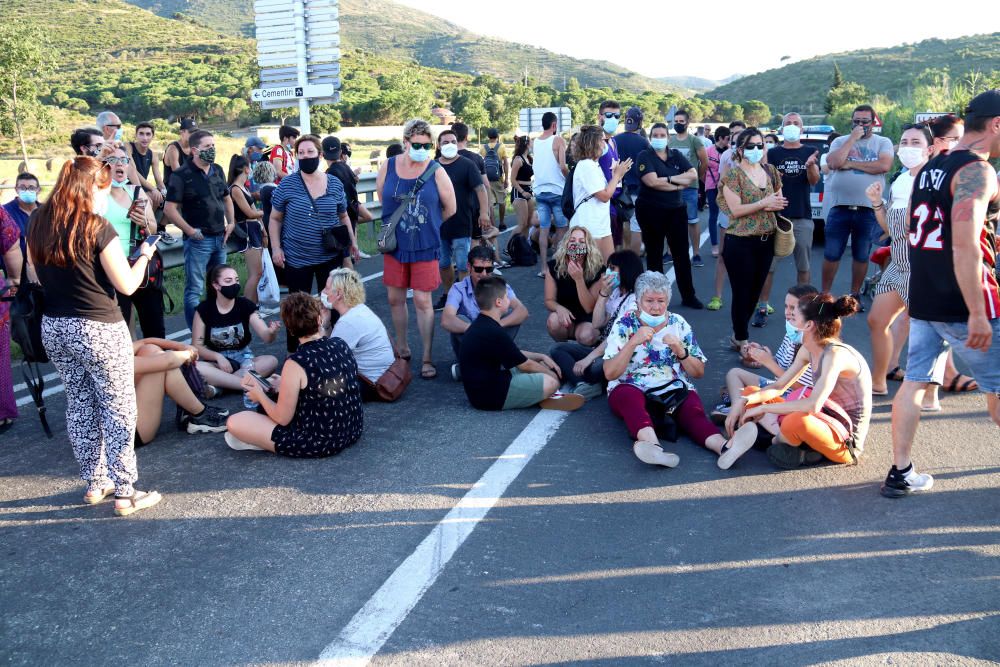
x=387, y=234
x=27, y=306
x=154, y=268
x=391, y=385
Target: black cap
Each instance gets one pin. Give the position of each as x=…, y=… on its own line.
x=985, y=105
x=331, y=148
x=188, y=124
x=493, y=133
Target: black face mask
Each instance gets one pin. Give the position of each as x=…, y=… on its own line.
x=308, y=164
x=230, y=291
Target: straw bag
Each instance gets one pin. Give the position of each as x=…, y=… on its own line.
x=784, y=238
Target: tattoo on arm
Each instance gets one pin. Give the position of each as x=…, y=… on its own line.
x=972, y=191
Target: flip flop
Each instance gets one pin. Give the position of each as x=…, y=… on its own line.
x=896, y=374
x=741, y=443
x=653, y=454
x=931, y=408
x=428, y=373
x=968, y=385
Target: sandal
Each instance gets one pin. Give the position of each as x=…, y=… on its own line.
x=737, y=345
x=428, y=371
x=6, y=425
x=790, y=458
x=94, y=496
x=139, y=500
x=896, y=374
x=741, y=443
x=653, y=454
x=969, y=384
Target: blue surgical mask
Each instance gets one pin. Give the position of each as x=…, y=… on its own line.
x=754, y=155
x=256, y=157
x=119, y=134
x=610, y=125
x=606, y=149
x=659, y=144
x=791, y=333
x=28, y=196
x=419, y=154
x=616, y=280
x=791, y=132
x=651, y=320
x=118, y=184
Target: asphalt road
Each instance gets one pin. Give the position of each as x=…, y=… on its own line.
x=451, y=536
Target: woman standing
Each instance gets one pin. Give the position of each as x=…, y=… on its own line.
x=10, y=251
x=520, y=191
x=248, y=220
x=414, y=262
x=592, y=192
x=750, y=195
x=80, y=264
x=664, y=175
x=572, y=284
x=712, y=177
x=947, y=132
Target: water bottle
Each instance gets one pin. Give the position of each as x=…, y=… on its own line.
x=247, y=365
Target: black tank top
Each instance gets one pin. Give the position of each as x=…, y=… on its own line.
x=184, y=159
x=525, y=171
x=934, y=292
x=143, y=163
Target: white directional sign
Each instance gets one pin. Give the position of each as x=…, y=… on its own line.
x=284, y=104
x=530, y=120
x=292, y=92
x=930, y=115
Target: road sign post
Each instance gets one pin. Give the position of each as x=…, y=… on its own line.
x=530, y=120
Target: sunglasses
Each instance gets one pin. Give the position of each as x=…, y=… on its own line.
x=428, y=146
x=612, y=114
x=124, y=161
x=752, y=146
x=483, y=269
x=858, y=121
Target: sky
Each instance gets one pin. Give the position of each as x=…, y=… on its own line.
x=659, y=41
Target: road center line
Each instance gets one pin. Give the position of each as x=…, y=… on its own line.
x=372, y=626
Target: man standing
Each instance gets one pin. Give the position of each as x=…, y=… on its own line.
x=461, y=131
x=856, y=161
x=498, y=172
x=954, y=297
x=178, y=153
x=470, y=198
x=799, y=168
x=690, y=147
x=110, y=126
x=25, y=201
x=549, y=150
x=198, y=203
x=145, y=160
x=630, y=144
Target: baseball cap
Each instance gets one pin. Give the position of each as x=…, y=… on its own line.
x=633, y=118
x=331, y=148
x=985, y=105
x=188, y=124
x=255, y=142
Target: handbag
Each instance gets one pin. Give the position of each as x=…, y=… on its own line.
x=386, y=241
x=784, y=237
x=336, y=239
x=27, y=306
x=663, y=401
x=391, y=385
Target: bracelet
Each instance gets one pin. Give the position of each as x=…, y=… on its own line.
x=604, y=295
x=687, y=353
x=880, y=205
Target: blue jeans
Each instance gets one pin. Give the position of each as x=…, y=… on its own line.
x=455, y=251
x=713, y=215
x=199, y=258
x=690, y=198
x=928, y=349
x=549, y=208
x=842, y=223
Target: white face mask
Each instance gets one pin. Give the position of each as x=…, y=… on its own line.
x=951, y=145
x=325, y=301
x=448, y=151
x=911, y=156
x=101, y=199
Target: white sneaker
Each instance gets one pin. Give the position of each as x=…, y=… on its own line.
x=363, y=255
x=239, y=445
x=409, y=294
x=652, y=454
x=741, y=443
x=588, y=390
x=268, y=311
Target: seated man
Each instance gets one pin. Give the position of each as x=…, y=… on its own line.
x=497, y=375
x=461, y=309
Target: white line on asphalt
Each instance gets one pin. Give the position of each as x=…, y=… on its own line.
x=372, y=626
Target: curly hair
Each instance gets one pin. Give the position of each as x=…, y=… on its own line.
x=348, y=282
x=593, y=262
x=588, y=143
x=300, y=312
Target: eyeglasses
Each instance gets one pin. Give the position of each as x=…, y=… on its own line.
x=27, y=188
x=428, y=146
x=860, y=121
x=124, y=161
x=612, y=114
x=752, y=146
x=114, y=126
x=483, y=269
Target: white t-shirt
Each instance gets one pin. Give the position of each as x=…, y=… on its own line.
x=593, y=215
x=365, y=334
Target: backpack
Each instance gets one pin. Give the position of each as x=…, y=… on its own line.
x=492, y=160
x=26, y=330
x=520, y=252
x=568, y=207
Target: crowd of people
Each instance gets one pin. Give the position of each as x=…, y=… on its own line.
x=600, y=201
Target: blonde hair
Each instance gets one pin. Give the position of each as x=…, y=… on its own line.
x=593, y=263
x=416, y=126
x=348, y=282
x=264, y=172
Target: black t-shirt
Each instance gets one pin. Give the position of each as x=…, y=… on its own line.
x=183, y=158
x=266, y=192
x=486, y=357
x=465, y=178
x=349, y=181
x=631, y=145
x=143, y=163
x=481, y=166
x=201, y=196
x=566, y=295
x=227, y=332
x=650, y=163
x=791, y=162
x=82, y=289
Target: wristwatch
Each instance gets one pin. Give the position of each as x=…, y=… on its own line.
x=669, y=181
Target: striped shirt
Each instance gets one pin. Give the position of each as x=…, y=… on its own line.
x=786, y=355
x=306, y=218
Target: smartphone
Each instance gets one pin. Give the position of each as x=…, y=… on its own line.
x=152, y=239
x=137, y=204
x=264, y=384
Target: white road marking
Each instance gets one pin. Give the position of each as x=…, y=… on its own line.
x=372, y=626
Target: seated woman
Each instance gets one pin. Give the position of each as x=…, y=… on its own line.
x=832, y=420
x=318, y=411
x=572, y=283
x=359, y=327
x=157, y=374
x=648, y=349
x=581, y=366
x=221, y=332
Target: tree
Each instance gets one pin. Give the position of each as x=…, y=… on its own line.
x=23, y=62
x=838, y=77
x=756, y=112
x=469, y=105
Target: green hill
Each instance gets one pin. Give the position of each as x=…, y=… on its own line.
x=391, y=30
x=804, y=85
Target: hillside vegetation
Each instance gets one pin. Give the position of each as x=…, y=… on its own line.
x=890, y=72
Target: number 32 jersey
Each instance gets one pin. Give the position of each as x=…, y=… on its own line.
x=934, y=292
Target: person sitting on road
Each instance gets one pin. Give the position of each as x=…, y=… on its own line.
x=318, y=410
x=157, y=374
x=581, y=366
x=649, y=349
x=222, y=332
x=832, y=419
x=359, y=327
x=461, y=309
x=572, y=283
x=495, y=373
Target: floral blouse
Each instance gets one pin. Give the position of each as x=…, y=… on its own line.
x=759, y=223
x=9, y=236
x=653, y=364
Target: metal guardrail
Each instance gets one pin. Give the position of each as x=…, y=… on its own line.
x=173, y=255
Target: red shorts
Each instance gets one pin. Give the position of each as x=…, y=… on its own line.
x=420, y=276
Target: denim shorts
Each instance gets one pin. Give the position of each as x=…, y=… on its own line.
x=690, y=198
x=843, y=223
x=549, y=208
x=929, y=345
x=457, y=251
